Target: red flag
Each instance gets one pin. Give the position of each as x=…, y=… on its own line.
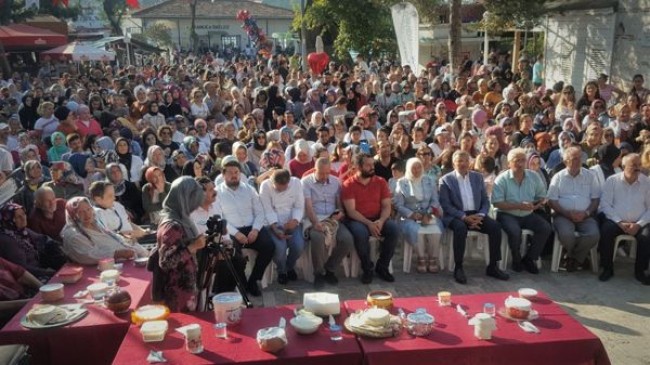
x=132, y=4
x=57, y=2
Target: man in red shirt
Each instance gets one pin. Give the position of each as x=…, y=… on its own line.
x=48, y=215
x=367, y=202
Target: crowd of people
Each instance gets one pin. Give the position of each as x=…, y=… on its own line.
x=362, y=154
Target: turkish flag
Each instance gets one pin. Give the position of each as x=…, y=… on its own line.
x=132, y=4
x=57, y=2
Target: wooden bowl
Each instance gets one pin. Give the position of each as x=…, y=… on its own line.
x=380, y=299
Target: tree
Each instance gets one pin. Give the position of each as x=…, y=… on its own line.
x=158, y=32
x=454, y=43
x=508, y=14
x=115, y=10
x=193, y=36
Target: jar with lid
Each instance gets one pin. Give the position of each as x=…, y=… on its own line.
x=419, y=323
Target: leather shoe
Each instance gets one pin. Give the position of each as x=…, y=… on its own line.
x=330, y=278
x=530, y=265
x=643, y=278
x=385, y=275
x=291, y=275
x=494, y=272
x=517, y=266
x=606, y=274
x=571, y=264
x=319, y=281
x=366, y=277
x=459, y=276
x=253, y=289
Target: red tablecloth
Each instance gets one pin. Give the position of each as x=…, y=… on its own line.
x=562, y=341
x=93, y=339
x=241, y=347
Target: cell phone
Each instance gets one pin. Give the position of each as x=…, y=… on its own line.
x=336, y=212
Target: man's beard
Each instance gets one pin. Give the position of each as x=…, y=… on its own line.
x=232, y=184
x=367, y=174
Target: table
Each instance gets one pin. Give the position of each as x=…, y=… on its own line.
x=241, y=347
x=562, y=341
x=92, y=340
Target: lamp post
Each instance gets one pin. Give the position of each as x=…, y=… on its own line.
x=127, y=42
x=486, y=40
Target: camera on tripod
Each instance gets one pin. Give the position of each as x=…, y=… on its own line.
x=216, y=229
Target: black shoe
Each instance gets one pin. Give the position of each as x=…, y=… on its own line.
x=459, y=276
x=283, y=279
x=530, y=265
x=330, y=278
x=253, y=289
x=517, y=266
x=319, y=281
x=571, y=264
x=291, y=275
x=366, y=277
x=606, y=274
x=385, y=275
x=643, y=278
x=494, y=272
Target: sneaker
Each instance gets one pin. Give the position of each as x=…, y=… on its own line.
x=291, y=275
x=319, y=281
x=330, y=278
x=385, y=275
x=366, y=277
x=283, y=279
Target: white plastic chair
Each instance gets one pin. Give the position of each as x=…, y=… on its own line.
x=355, y=262
x=505, y=249
x=407, y=249
x=557, y=255
x=625, y=238
x=471, y=236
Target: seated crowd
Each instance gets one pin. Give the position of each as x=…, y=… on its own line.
x=92, y=163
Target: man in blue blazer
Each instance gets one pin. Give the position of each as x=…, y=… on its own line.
x=465, y=207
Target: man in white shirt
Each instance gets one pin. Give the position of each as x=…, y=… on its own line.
x=625, y=203
x=6, y=160
x=284, y=208
x=112, y=214
x=242, y=209
x=574, y=194
x=209, y=208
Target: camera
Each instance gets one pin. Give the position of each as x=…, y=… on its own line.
x=216, y=225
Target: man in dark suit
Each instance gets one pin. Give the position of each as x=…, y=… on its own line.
x=465, y=207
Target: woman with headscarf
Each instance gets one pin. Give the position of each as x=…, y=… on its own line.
x=33, y=172
x=20, y=245
x=85, y=241
x=125, y=191
x=104, y=144
x=609, y=163
x=240, y=152
x=28, y=112
x=416, y=201
x=131, y=162
x=565, y=140
x=154, y=193
x=64, y=183
x=175, y=271
x=156, y=158
x=190, y=147
x=59, y=147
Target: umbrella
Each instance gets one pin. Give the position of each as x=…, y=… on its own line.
x=78, y=51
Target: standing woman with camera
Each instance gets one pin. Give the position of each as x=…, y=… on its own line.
x=174, y=264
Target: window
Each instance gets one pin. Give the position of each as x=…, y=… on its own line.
x=231, y=41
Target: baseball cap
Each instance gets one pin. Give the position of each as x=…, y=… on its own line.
x=4, y=126
x=439, y=131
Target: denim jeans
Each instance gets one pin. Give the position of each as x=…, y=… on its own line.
x=296, y=244
x=361, y=234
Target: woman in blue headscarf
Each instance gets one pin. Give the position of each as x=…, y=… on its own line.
x=59, y=147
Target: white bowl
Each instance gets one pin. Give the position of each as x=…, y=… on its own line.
x=52, y=292
x=527, y=293
x=98, y=290
x=306, y=324
x=141, y=261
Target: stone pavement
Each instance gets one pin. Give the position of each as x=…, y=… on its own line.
x=617, y=311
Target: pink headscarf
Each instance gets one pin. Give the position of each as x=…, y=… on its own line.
x=479, y=117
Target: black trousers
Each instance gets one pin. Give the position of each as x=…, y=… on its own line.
x=264, y=247
x=609, y=230
x=490, y=227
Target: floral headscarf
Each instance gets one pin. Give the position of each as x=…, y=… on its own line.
x=272, y=158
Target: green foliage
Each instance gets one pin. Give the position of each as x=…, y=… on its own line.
x=115, y=10
x=363, y=25
x=157, y=33
x=504, y=14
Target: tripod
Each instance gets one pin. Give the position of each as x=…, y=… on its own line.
x=208, y=261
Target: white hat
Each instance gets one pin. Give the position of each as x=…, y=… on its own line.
x=439, y=131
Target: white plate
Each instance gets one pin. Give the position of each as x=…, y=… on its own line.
x=73, y=316
x=531, y=316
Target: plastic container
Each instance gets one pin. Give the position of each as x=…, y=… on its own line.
x=227, y=308
x=52, y=292
x=106, y=264
x=419, y=323
x=97, y=291
x=110, y=277
x=70, y=275
x=154, y=331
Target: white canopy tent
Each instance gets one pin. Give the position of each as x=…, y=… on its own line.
x=79, y=51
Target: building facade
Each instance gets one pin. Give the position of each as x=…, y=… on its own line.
x=216, y=23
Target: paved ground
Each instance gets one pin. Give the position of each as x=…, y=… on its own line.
x=617, y=311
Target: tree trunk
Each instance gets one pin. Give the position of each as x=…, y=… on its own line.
x=193, y=36
x=516, y=46
x=454, y=45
